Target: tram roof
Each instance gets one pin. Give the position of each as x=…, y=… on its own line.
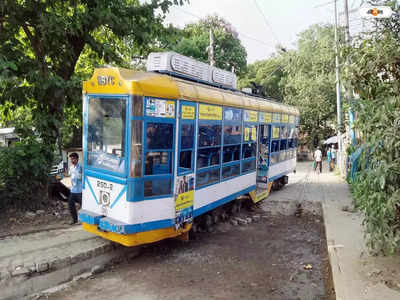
x=124, y=81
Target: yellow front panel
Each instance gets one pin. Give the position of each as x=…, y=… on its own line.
x=139, y=238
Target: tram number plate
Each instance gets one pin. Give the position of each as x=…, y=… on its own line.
x=262, y=185
x=104, y=185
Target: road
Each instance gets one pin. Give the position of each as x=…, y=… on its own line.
x=278, y=257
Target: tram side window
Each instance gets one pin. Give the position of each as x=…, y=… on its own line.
x=186, y=147
x=209, y=145
x=275, y=144
x=159, y=136
x=249, y=148
x=136, y=146
x=209, y=135
x=208, y=153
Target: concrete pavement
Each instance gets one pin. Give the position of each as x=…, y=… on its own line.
x=356, y=274
x=35, y=262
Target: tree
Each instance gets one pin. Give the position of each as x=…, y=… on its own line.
x=269, y=74
x=310, y=82
x=41, y=43
x=228, y=50
x=375, y=75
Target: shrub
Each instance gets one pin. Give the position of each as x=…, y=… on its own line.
x=376, y=189
x=23, y=176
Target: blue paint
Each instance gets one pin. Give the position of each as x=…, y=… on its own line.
x=102, y=176
x=89, y=217
x=211, y=206
x=110, y=225
x=118, y=197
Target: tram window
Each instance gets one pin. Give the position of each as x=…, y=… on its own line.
x=264, y=133
x=232, y=114
x=136, y=146
x=274, y=146
x=291, y=132
x=158, y=163
x=250, y=134
x=207, y=177
x=159, y=136
x=230, y=171
x=187, y=131
x=274, y=158
x=283, y=145
x=249, y=150
x=208, y=157
x=137, y=106
x=248, y=166
x=106, y=133
x=282, y=156
x=231, y=153
x=157, y=187
x=275, y=132
x=185, y=160
x=232, y=134
x=209, y=135
x=284, y=132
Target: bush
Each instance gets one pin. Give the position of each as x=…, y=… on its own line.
x=23, y=177
x=376, y=189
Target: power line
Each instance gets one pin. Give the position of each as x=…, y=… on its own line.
x=241, y=33
x=324, y=4
x=266, y=22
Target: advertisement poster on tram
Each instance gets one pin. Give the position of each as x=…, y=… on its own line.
x=184, y=194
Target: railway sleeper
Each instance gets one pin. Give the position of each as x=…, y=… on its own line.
x=207, y=222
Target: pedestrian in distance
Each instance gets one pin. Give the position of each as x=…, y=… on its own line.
x=329, y=155
x=75, y=172
x=334, y=155
x=318, y=160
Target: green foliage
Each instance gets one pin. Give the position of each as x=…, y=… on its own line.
x=269, y=74
x=46, y=49
x=23, y=179
x=41, y=43
x=375, y=74
x=228, y=50
x=310, y=83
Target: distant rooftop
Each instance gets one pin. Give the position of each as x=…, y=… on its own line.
x=7, y=130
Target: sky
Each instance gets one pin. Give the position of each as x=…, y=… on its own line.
x=263, y=24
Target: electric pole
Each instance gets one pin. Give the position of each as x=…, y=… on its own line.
x=211, y=49
x=338, y=101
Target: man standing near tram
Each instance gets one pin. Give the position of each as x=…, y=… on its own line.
x=75, y=172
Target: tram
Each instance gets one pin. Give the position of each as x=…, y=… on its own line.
x=171, y=144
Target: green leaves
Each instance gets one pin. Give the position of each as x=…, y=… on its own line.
x=23, y=180
x=228, y=50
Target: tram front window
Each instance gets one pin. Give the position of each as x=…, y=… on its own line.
x=106, y=134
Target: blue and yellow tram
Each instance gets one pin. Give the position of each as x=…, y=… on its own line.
x=165, y=146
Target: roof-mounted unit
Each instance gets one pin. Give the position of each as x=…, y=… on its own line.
x=175, y=64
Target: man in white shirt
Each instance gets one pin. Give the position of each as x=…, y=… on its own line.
x=318, y=160
x=75, y=196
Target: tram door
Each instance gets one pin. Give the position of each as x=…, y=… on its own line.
x=263, y=187
x=184, y=183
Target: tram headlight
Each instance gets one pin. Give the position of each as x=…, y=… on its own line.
x=105, y=198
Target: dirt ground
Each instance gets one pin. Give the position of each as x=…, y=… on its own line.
x=54, y=215
x=279, y=257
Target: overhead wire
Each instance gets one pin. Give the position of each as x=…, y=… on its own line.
x=241, y=33
x=267, y=23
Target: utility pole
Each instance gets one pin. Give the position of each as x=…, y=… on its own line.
x=211, y=59
x=346, y=23
x=338, y=101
